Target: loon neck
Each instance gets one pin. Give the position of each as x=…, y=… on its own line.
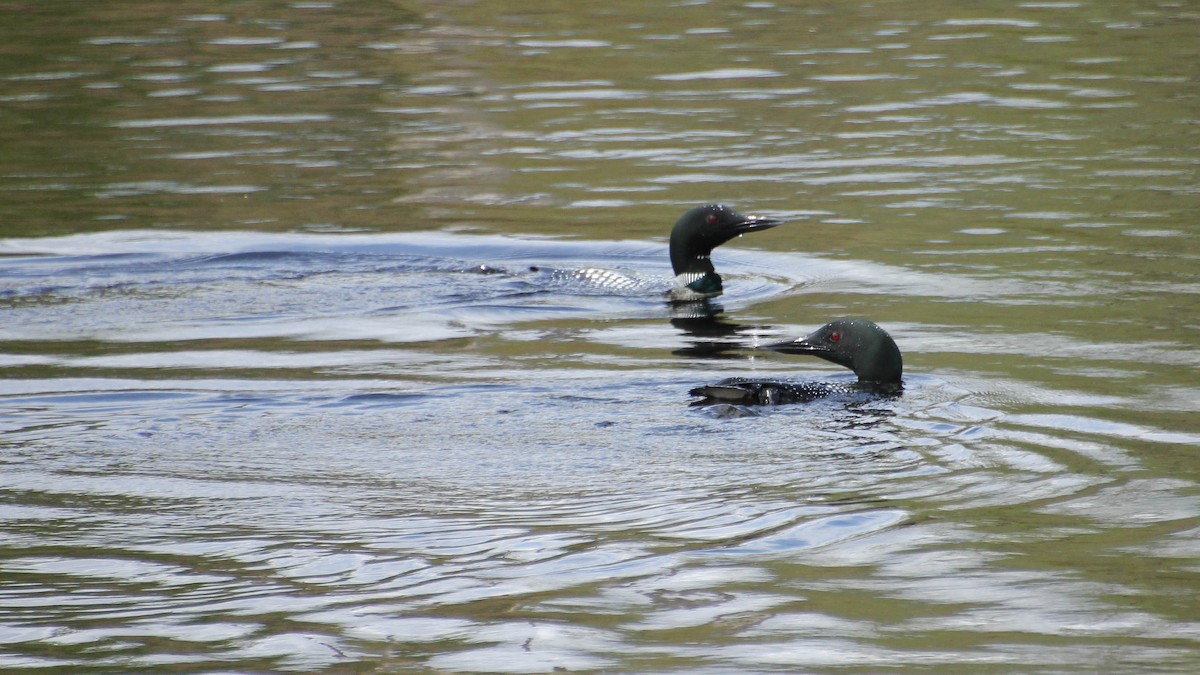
x=698, y=284
x=694, y=269
x=688, y=255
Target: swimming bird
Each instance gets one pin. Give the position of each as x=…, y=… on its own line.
x=695, y=235
x=693, y=239
x=858, y=344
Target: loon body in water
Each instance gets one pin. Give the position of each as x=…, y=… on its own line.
x=695, y=235
x=693, y=238
x=857, y=344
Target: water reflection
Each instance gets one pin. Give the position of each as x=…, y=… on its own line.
x=709, y=333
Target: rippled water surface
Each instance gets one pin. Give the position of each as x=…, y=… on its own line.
x=333, y=337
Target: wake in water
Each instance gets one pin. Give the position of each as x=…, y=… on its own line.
x=416, y=287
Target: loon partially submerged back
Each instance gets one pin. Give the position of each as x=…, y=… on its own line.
x=695, y=235
x=857, y=344
x=693, y=239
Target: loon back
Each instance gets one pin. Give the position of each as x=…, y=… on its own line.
x=767, y=392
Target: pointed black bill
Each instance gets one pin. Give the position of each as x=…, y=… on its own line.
x=755, y=224
x=800, y=346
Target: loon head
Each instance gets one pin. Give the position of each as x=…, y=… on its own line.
x=857, y=344
x=698, y=232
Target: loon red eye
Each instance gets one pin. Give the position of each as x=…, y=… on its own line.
x=834, y=337
x=712, y=219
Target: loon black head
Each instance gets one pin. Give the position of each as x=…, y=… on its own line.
x=697, y=233
x=857, y=344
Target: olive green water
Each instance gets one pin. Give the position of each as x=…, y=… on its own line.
x=259, y=410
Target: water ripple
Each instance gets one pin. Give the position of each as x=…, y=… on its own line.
x=228, y=119
x=374, y=439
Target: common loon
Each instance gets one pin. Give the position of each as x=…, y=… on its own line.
x=857, y=344
x=695, y=235
x=693, y=238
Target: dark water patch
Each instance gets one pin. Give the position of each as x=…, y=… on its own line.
x=377, y=400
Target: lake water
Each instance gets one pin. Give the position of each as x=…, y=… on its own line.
x=297, y=372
